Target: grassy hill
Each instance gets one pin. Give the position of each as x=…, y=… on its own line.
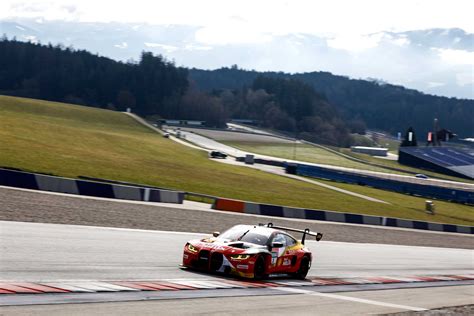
x=70, y=140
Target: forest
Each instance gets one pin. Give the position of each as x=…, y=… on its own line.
x=379, y=106
x=154, y=87
x=317, y=106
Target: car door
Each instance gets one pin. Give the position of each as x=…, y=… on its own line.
x=293, y=250
x=278, y=253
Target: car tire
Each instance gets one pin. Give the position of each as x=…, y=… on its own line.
x=259, y=268
x=303, y=270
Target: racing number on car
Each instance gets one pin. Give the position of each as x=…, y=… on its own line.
x=277, y=253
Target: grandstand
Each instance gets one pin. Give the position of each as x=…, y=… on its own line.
x=452, y=161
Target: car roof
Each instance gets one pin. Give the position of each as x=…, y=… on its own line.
x=262, y=229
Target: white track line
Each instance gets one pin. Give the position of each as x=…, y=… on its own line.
x=352, y=299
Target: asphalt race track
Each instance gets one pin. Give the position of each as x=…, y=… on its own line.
x=37, y=252
x=68, y=252
x=34, y=252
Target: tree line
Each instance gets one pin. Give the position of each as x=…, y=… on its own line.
x=63, y=74
x=378, y=105
x=155, y=87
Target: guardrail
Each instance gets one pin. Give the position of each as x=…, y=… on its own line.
x=331, y=216
x=34, y=181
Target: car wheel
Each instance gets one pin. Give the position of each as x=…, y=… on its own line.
x=259, y=268
x=304, y=268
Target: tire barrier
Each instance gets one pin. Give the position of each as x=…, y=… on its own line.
x=431, y=191
x=331, y=216
x=26, y=180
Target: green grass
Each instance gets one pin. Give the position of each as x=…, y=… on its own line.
x=69, y=140
x=445, y=211
x=305, y=152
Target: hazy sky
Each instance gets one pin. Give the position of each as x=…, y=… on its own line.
x=250, y=20
x=351, y=31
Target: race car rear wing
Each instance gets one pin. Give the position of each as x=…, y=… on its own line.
x=303, y=231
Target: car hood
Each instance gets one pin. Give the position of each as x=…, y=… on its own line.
x=233, y=246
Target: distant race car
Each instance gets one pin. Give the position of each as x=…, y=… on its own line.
x=421, y=176
x=251, y=252
x=217, y=154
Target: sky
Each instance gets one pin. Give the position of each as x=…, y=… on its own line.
x=351, y=29
x=343, y=19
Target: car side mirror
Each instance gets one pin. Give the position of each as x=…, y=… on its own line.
x=277, y=244
x=215, y=234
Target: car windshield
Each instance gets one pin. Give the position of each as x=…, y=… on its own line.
x=251, y=234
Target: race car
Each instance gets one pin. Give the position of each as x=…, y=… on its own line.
x=217, y=154
x=251, y=252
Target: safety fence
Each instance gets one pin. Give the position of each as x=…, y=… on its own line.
x=331, y=216
x=34, y=181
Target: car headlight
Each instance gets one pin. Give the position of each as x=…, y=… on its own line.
x=192, y=248
x=240, y=257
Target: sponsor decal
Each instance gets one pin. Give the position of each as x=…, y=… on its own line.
x=242, y=266
x=217, y=247
x=274, y=257
x=185, y=256
x=286, y=262
x=276, y=253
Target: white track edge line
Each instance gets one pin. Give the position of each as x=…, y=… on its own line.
x=352, y=299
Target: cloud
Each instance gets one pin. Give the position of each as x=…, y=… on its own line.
x=30, y=38
x=197, y=47
x=435, y=84
x=464, y=78
x=234, y=31
x=49, y=10
x=354, y=42
x=456, y=56
x=166, y=48
x=122, y=45
x=402, y=41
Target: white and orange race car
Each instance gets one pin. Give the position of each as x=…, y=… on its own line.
x=251, y=252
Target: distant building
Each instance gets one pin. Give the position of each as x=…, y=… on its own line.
x=373, y=151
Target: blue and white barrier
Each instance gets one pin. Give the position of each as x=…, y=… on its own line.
x=26, y=180
x=431, y=191
x=331, y=216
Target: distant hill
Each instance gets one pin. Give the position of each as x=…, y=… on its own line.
x=381, y=106
x=62, y=74
x=435, y=61
x=325, y=107
x=156, y=87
